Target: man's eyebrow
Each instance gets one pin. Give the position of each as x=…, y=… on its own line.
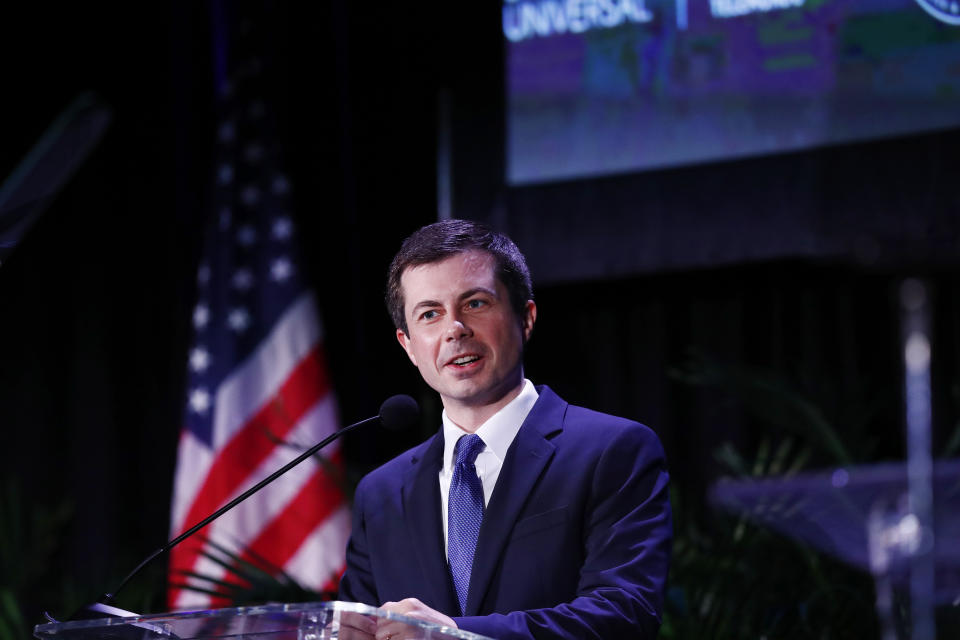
x=425, y=303
x=469, y=293
x=472, y=292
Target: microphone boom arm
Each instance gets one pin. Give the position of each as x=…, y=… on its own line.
x=108, y=598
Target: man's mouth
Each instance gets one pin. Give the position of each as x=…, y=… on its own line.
x=464, y=361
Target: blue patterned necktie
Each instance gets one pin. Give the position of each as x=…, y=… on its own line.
x=464, y=513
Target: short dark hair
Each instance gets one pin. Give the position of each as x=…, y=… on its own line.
x=441, y=240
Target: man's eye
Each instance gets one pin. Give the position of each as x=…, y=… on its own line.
x=476, y=304
x=428, y=315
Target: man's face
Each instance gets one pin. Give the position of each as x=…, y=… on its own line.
x=463, y=334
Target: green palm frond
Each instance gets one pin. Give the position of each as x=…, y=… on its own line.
x=248, y=579
x=12, y=624
x=30, y=534
x=769, y=398
x=732, y=578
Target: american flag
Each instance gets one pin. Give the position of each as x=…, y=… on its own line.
x=258, y=392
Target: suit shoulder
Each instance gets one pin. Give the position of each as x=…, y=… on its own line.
x=605, y=437
x=591, y=424
x=590, y=430
x=389, y=472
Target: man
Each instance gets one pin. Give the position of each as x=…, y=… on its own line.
x=524, y=517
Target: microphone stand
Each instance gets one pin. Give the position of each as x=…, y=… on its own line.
x=104, y=603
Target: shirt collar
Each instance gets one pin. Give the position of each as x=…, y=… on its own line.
x=498, y=431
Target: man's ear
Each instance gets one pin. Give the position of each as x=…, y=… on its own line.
x=405, y=343
x=529, y=319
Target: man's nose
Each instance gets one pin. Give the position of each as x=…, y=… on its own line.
x=457, y=329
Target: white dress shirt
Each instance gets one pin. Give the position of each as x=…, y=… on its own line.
x=497, y=434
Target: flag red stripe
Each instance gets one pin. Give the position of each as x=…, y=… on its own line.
x=279, y=540
x=317, y=499
x=251, y=445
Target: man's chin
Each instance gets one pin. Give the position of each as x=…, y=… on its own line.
x=475, y=395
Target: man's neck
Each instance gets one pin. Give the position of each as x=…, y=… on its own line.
x=471, y=417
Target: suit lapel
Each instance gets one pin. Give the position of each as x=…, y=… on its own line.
x=525, y=462
x=421, y=504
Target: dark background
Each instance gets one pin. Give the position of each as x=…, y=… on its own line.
x=632, y=273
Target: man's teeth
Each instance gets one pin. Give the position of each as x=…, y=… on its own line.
x=465, y=360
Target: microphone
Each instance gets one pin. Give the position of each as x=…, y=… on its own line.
x=399, y=412
x=396, y=413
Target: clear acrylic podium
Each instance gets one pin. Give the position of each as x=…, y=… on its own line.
x=302, y=621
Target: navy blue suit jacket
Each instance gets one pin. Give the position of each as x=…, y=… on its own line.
x=575, y=540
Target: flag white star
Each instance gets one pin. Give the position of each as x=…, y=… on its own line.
x=281, y=269
x=203, y=274
x=201, y=316
x=242, y=279
x=199, y=359
x=238, y=320
x=246, y=235
x=282, y=228
x=199, y=400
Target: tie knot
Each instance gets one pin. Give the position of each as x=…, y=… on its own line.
x=467, y=449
